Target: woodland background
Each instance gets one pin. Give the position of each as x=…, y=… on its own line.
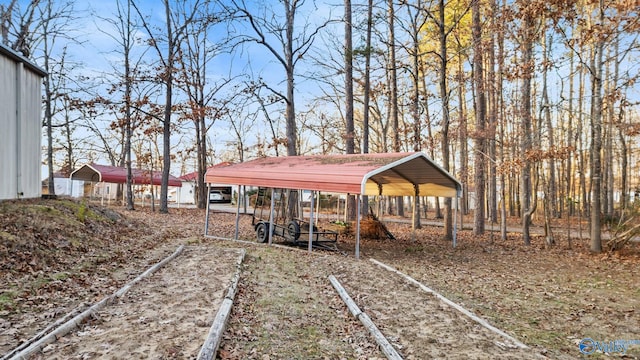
x=531, y=104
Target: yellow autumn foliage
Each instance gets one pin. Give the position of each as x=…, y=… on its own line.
x=457, y=22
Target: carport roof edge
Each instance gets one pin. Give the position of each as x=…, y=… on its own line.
x=395, y=174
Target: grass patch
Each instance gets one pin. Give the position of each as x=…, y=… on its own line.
x=45, y=209
x=7, y=300
x=414, y=249
x=41, y=281
x=81, y=213
x=60, y=276
x=8, y=236
x=193, y=241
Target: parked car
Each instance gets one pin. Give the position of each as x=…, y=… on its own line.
x=219, y=196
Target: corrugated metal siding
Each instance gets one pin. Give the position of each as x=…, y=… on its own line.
x=20, y=116
x=31, y=135
x=8, y=141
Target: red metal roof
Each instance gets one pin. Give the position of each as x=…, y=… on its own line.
x=118, y=175
x=193, y=175
x=367, y=174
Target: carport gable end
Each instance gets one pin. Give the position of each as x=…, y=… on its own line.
x=412, y=175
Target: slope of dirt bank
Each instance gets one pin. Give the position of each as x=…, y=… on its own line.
x=58, y=255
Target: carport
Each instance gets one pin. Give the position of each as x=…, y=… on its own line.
x=118, y=175
x=392, y=174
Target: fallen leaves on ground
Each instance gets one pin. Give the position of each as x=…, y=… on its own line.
x=546, y=297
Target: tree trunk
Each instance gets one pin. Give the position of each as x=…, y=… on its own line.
x=201, y=187
x=526, y=128
x=568, y=177
x=463, y=137
x=127, y=104
x=367, y=91
x=430, y=138
x=394, y=94
x=48, y=114
x=584, y=203
x=552, y=194
x=415, y=101
x=597, y=64
x=348, y=87
x=501, y=123
x=290, y=113
x=481, y=111
x=624, y=199
x=444, y=93
x=367, y=81
x=492, y=116
x=612, y=121
x=166, y=128
x=607, y=166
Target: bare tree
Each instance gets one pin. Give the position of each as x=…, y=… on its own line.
x=6, y=15
x=348, y=86
x=202, y=104
x=44, y=24
x=527, y=33
x=393, y=87
x=125, y=27
x=177, y=20
x=596, y=69
x=367, y=80
x=481, y=113
x=241, y=122
x=444, y=30
x=416, y=22
x=273, y=31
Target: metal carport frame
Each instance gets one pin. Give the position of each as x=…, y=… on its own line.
x=392, y=174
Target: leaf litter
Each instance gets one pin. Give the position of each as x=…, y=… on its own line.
x=546, y=297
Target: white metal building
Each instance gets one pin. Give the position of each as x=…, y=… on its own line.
x=21, y=121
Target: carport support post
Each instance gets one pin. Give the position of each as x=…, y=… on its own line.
x=244, y=197
x=416, y=193
x=206, y=222
x=358, y=217
x=237, y=215
x=270, y=229
x=455, y=222
x=311, y=223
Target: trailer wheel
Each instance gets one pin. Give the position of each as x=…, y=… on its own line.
x=262, y=234
x=294, y=230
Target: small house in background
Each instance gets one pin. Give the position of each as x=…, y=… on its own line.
x=187, y=193
x=20, y=116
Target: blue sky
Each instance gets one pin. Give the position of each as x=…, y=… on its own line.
x=98, y=53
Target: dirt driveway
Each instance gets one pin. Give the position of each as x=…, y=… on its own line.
x=548, y=298
x=167, y=315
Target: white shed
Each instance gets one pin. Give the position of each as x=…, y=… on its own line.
x=21, y=120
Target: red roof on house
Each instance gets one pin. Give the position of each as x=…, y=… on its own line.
x=118, y=175
x=368, y=174
x=192, y=176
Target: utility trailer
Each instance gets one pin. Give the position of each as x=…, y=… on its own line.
x=288, y=220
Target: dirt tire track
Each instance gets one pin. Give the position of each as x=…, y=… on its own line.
x=167, y=315
x=418, y=324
